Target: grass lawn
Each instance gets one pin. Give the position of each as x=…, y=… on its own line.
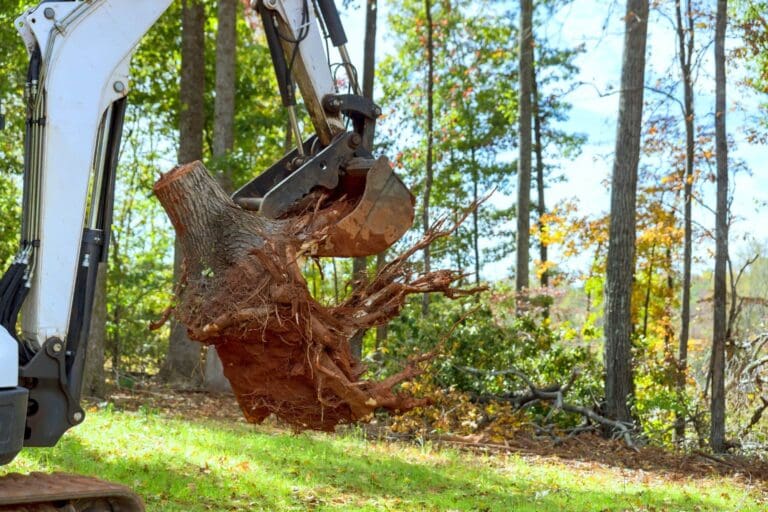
x=202, y=465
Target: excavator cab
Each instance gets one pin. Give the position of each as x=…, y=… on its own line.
x=337, y=159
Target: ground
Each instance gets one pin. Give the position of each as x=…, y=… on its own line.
x=192, y=452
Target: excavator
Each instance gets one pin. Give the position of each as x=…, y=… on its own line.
x=76, y=96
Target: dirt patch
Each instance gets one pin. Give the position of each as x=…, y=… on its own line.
x=175, y=403
x=592, y=449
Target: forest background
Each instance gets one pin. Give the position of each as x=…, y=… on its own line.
x=454, y=143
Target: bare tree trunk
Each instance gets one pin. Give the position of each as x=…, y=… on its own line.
x=382, y=331
x=369, y=79
x=541, y=208
x=475, y=199
x=648, y=290
x=621, y=248
x=226, y=82
x=182, y=365
x=359, y=265
x=358, y=274
x=93, y=374
x=369, y=58
x=425, y=220
x=685, y=39
x=525, y=74
x=223, y=141
x=717, y=362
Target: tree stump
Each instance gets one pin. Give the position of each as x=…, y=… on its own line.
x=242, y=292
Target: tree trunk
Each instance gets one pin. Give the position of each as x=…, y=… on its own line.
x=621, y=248
x=430, y=142
x=717, y=362
x=685, y=49
x=382, y=331
x=541, y=208
x=359, y=265
x=182, y=365
x=525, y=74
x=359, y=274
x=475, y=214
x=648, y=289
x=226, y=81
x=243, y=292
x=369, y=57
x=223, y=141
x=93, y=374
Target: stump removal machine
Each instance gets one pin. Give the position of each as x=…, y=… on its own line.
x=75, y=94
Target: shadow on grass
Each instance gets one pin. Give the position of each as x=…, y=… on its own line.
x=164, y=485
x=331, y=466
x=217, y=466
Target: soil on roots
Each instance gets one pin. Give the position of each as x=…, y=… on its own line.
x=243, y=292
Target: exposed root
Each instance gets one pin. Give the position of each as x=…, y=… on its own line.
x=283, y=352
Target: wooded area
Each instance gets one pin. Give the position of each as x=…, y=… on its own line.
x=642, y=318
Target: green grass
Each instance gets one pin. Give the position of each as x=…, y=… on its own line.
x=183, y=465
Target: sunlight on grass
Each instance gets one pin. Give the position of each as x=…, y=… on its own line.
x=179, y=465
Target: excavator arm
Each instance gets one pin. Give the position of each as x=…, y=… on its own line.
x=76, y=89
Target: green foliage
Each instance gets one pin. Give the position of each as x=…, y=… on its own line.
x=474, y=66
x=487, y=339
x=753, y=25
x=10, y=218
x=179, y=464
x=12, y=78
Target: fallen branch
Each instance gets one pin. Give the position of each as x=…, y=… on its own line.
x=756, y=416
x=555, y=395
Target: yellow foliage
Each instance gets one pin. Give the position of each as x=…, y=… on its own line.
x=452, y=412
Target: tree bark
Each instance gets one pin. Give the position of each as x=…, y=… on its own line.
x=359, y=265
x=685, y=41
x=93, y=375
x=425, y=220
x=525, y=74
x=717, y=361
x=382, y=331
x=541, y=208
x=226, y=81
x=476, y=210
x=359, y=274
x=243, y=292
x=621, y=248
x=223, y=141
x=369, y=57
x=182, y=364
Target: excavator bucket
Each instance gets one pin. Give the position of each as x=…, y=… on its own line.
x=383, y=207
x=380, y=218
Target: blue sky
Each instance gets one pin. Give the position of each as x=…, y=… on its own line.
x=599, y=26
